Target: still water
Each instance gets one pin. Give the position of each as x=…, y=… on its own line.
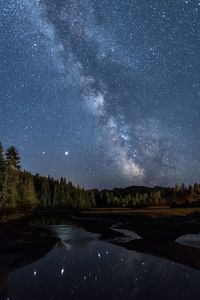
x=69, y=262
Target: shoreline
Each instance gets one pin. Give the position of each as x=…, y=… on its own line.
x=154, y=212
x=158, y=213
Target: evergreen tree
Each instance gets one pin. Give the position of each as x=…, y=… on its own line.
x=91, y=199
x=82, y=200
x=75, y=198
x=13, y=158
x=55, y=194
x=61, y=194
x=67, y=195
x=10, y=195
x=2, y=174
x=189, y=197
x=28, y=197
x=196, y=192
x=45, y=196
x=10, y=188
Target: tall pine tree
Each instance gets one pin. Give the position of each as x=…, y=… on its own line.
x=11, y=182
x=28, y=198
x=13, y=158
x=2, y=175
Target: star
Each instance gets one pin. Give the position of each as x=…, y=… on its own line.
x=62, y=271
x=117, y=82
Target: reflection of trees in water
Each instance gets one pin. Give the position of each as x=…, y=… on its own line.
x=51, y=219
x=21, y=245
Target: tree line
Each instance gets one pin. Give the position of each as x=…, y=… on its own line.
x=139, y=196
x=20, y=190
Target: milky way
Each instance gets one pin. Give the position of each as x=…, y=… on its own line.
x=114, y=84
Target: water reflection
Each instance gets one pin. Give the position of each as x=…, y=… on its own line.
x=21, y=244
x=155, y=240
x=82, y=265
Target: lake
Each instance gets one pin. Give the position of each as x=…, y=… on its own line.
x=61, y=258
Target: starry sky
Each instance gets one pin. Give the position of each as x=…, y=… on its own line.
x=103, y=92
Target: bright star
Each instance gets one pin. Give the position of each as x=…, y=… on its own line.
x=62, y=271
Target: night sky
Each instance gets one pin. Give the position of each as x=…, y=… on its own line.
x=103, y=92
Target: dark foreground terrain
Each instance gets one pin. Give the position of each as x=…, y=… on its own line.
x=110, y=254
